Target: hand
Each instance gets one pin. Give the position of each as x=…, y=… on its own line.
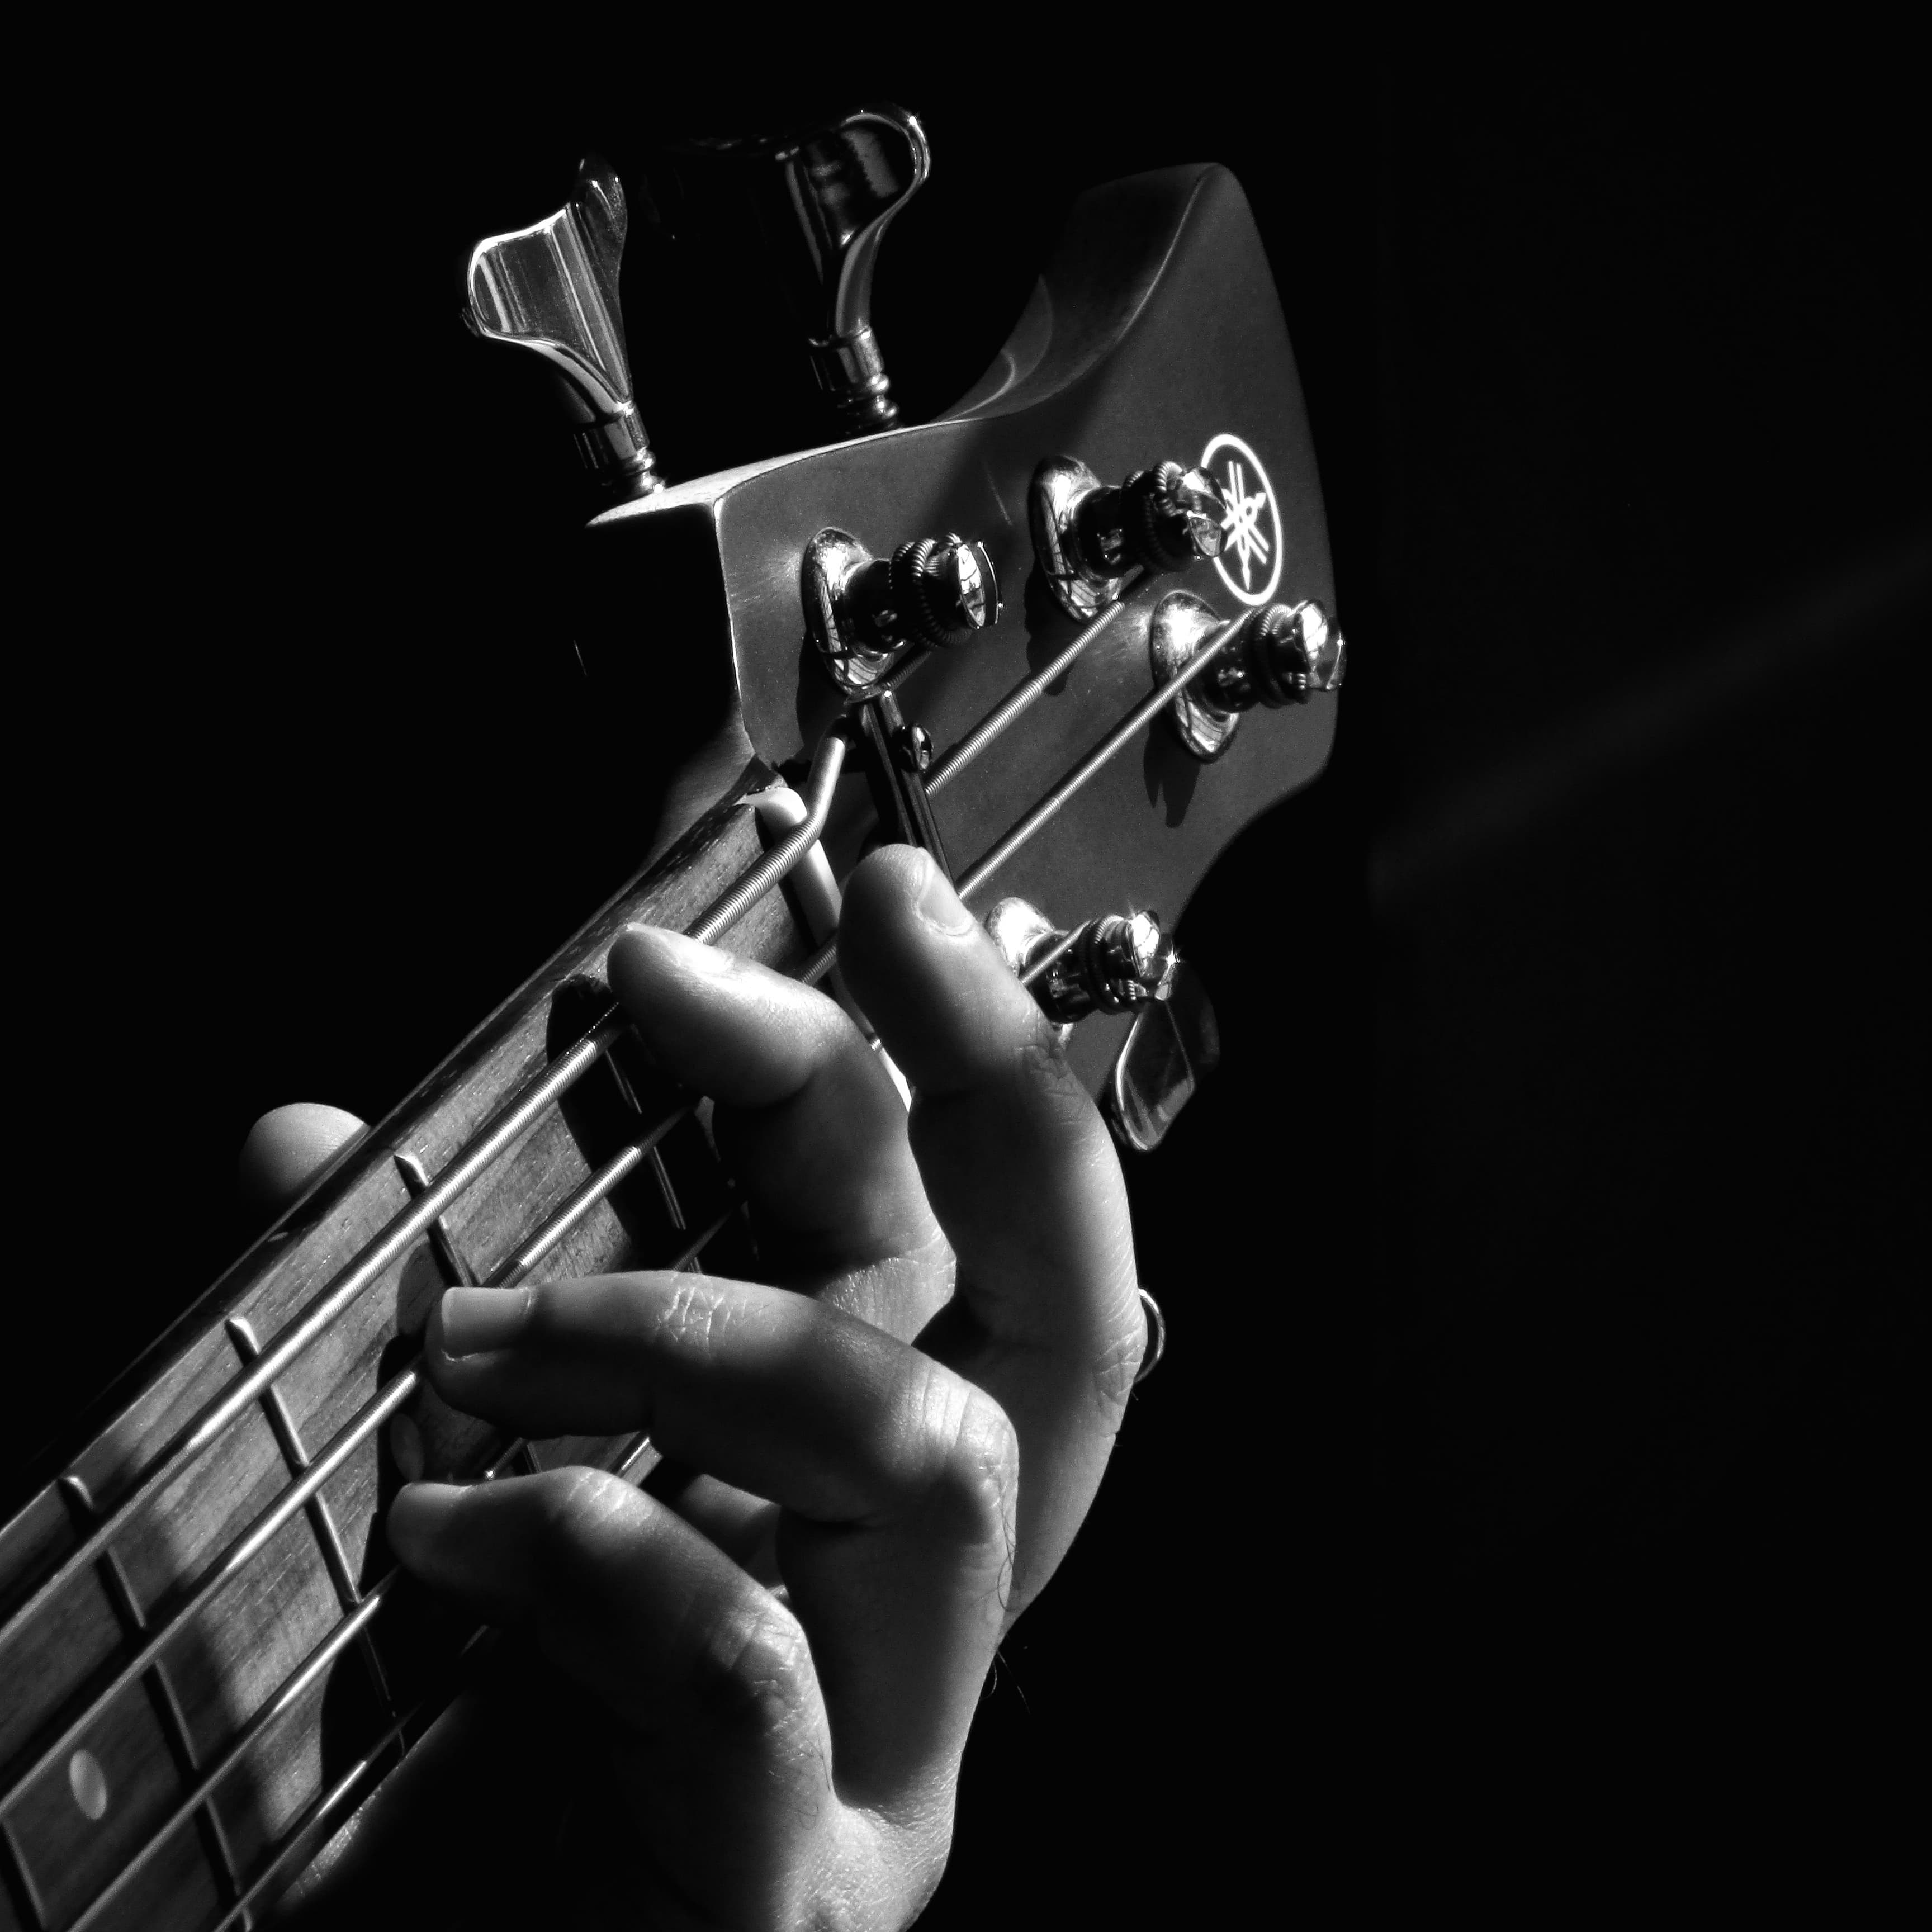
x=745, y=1705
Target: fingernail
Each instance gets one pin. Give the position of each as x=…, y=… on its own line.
x=477, y=1318
x=674, y=950
x=940, y=906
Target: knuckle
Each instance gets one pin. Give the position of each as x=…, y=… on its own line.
x=973, y=1483
x=578, y=1509
x=694, y=1313
x=750, y=1671
x=1044, y=1071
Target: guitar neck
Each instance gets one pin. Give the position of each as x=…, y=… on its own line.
x=166, y=1729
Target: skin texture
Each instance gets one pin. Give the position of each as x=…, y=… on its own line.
x=742, y=1702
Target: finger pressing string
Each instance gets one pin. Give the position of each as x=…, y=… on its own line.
x=806, y=1117
x=898, y=1478
x=677, y=1643
x=1023, y=1177
x=1015, y=1158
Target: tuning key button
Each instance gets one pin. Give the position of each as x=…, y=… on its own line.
x=1175, y=1044
x=1088, y=535
x=1116, y=964
x=863, y=611
x=1286, y=653
x=1171, y=516
x=552, y=290
x=839, y=186
x=940, y=591
x=1282, y=654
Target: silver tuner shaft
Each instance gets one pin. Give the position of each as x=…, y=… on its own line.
x=552, y=290
x=1116, y=964
x=842, y=186
x=1283, y=654
x=862, y=612
x=1088, y=535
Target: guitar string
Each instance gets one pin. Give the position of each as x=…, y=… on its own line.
x=199, y=1435
x=1054, y=800
x=351, y=1436
x=719, y=917
x=289, y=1691
x=757, y=881
x=505, y=1128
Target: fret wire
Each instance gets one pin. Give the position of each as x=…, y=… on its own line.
x=1017, y=702
x=507, y=1126
x=366, y=1420
x=335, y=1559
x=624, y=1466
x=17, y=1862
x=673, y=1207
x=354, y=1627
x=213, y=1422
x=425, y=1211
x=173, y=1724
x=334, y=1799
x=360, y=1426
x=512, y=1273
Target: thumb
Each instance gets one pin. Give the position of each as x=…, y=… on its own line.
x=286, y=1148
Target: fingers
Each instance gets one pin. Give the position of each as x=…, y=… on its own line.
x=763, y=1389
x=621, y=1592
x=704, y=1669
x=1024, y=1179
x=805, y=1116
x=287, y=1148
x=898, y=1477
x=1014, y=1156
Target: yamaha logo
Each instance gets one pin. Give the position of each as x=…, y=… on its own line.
x=1250, y=559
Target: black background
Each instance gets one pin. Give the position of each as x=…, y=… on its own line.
x=1523, y=1516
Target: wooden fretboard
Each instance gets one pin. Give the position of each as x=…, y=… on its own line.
x=184, y=1720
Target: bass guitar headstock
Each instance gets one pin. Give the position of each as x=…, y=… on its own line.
x=1075, y=633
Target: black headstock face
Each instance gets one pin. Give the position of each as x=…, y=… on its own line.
x=1155, y=335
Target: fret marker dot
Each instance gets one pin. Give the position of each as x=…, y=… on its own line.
x=88, y=1783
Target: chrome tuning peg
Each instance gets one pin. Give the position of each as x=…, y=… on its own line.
x=862, y=611
x=552, y=288
x=842, y=186
x=1115, y=964
x=1088, y=535
x=1283, y=654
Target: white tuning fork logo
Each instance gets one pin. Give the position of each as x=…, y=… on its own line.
x=1245, y=538
x=1253, y=548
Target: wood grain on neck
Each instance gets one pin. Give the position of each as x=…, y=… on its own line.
x=155, y=1738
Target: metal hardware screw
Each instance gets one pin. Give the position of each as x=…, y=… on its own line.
x=912, y=748
x=1129, y=962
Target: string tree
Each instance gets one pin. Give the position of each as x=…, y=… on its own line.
x=551, y=289
x=864, y=613
x=1283, y=654
x=1090, y=536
